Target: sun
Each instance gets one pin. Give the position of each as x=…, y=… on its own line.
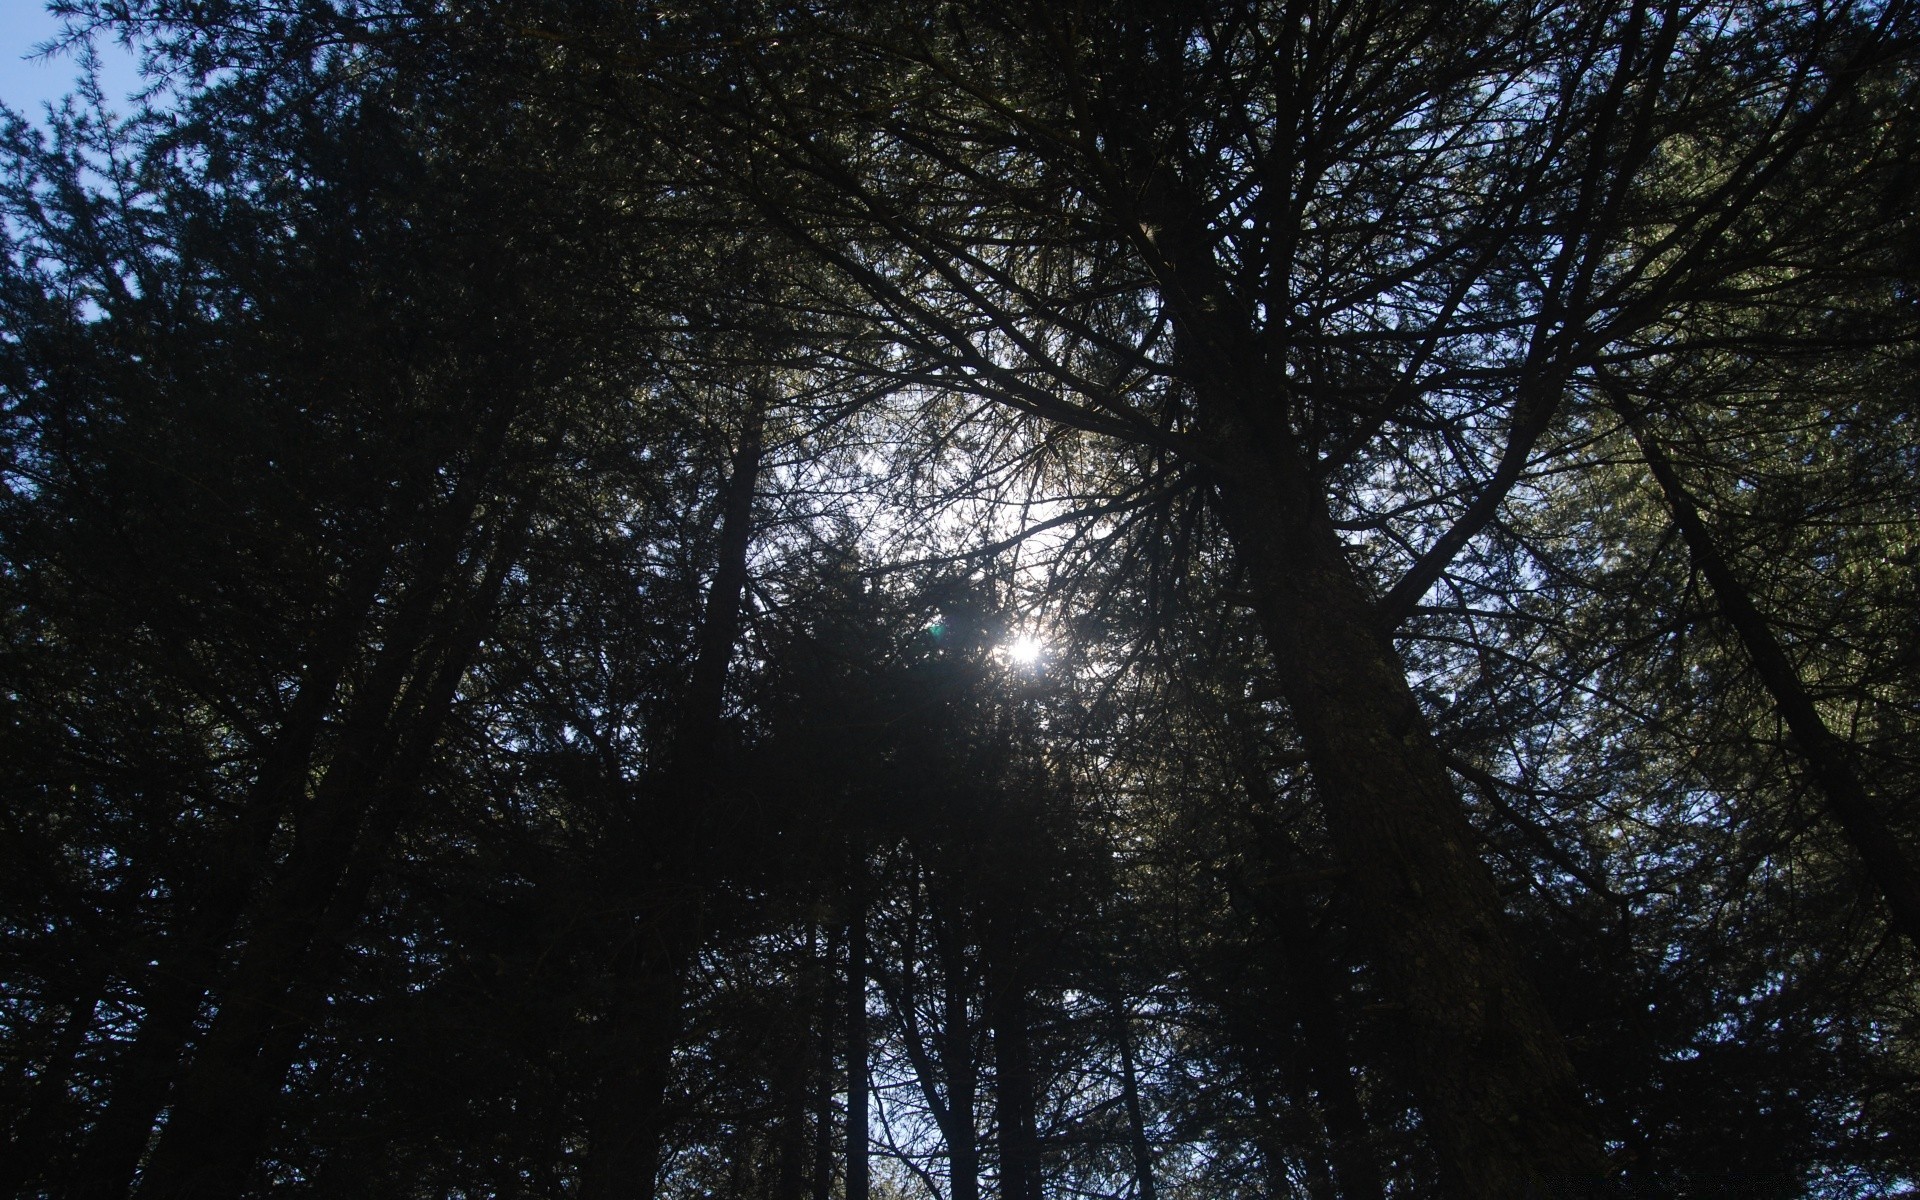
x=1025, y=650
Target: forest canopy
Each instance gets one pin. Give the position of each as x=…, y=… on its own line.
x=964, y=601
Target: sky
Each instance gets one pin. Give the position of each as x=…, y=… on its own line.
x=25, y=86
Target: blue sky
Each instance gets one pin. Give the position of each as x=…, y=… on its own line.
x=26, y=85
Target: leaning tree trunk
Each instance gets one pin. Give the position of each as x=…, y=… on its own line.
x=34, y=1142
x=1496, y=1086
x=190, y=967
x=189, y=962
x=1310, y=976
x=1140, y=1147
x=1828, y=757
x=223, y=1112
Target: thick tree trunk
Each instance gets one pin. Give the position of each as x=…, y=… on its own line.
x=1496, y=1086
x=1309, y=974
x=943, y=1059
x=957, y=1066
x=795, y=1081
x=1828, y=757
x=1356, y=1173
x=626, y=1140
x=190, y=968
x=1323, y=1041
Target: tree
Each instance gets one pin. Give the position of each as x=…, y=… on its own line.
x=1259, y=599
x=1245, y=237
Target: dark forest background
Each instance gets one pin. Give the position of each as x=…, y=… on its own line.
x=1313, y=598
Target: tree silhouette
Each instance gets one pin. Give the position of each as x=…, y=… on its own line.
x=955, y=601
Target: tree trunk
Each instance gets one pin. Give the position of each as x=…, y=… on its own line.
x=1141, y=1148
x=1280, y=1138
x=957, y=1066
x=696, y=740
x=1014, y=1088
x=628, y=1122
x=1496, y=1085
x=859, y=1175
x=1323, y=1043
x=224, y=1111
x=626, y=1140
x=1828, y=757
x=189, y=962
x=33, y=1142
x=794, y=1181
x=827, y=1000
x=1310, y=976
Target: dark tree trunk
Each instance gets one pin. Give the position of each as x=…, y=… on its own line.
x=795, y=1082
x=224, y=1111
x=33, y=1144
x=827, y=1002
x=1014, y=1092
x=943, y=1059
x=1496, y=1086
x=190, y=967
x=1828, y=757
x=697, y=739
x=1310, y=976
x=859, y=1175
x=957, y=1066
x=1141, y=1148
x=628, y=1121
x=1275, y=1134
x=626, y=1140
x=189, y=962
x=1312, y=990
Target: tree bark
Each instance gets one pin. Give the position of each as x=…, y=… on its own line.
x=794, y=1180
x=1310, y=977
x=827, y=1001
x=697, y=739
x=626, y=1140
x=33, y=1142
x=1310, y=988
x=954, y=1041
x=189, y=962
